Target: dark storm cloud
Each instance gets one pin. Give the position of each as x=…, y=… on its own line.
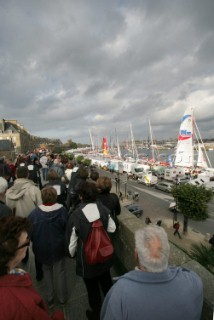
x=69, y=66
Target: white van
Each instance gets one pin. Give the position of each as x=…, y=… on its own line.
x=138, y=170
x=148, y=179
x=171, y=173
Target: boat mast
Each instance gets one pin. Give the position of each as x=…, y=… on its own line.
x=134, y=148
x=92, y=141
x=152, y=144
x=118, y=146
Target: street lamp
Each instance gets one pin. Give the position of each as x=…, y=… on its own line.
x=176, y=200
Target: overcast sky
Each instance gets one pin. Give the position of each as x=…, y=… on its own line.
x=67, y=66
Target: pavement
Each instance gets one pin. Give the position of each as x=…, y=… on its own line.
x=186, y=241
x=77, y=303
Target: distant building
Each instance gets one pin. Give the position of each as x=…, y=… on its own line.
x=7, y=149
x=21, y=138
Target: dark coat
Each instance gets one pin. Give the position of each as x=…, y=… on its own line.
x=48, y=233
x=111, y=201
x=211, y=241
x=5, y=171
x=83, y=227
x=5, y=210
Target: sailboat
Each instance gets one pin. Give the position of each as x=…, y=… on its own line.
x=184, y=152
x=188, y=132
x=154, y=161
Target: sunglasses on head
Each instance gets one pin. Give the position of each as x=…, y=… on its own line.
x=26, y=244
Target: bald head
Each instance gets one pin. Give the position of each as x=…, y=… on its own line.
x=155, y=248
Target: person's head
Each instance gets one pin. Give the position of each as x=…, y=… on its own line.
x=14, y=241
x=51, y=156
x=22, y=172
x=7, y=161
x=52, y=175
x=104, y=184
x=56, y=161
x=69, y=165
x=87, y=191
x=3, y=186
x=21, y=159
x=94, y=175
x=152, y=248
x=49, y=195
x=82, y=173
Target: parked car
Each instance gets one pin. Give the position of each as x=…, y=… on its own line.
x=209, y=185
x=181, y=180
x=135, y=209
x=164, y=186
x=173, y=207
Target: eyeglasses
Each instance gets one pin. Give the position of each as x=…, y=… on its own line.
x=26, y=244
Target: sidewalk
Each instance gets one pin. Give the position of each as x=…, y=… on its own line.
x=187, y=240
x=77, y=303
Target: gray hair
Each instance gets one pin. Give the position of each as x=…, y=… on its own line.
x=3, y=185
x=152, y=247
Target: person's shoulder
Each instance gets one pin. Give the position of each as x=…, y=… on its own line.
x=35, y=212
x=189, y=276
x=102, y=208
x=64, y=211
x=77, y=213
x=33, y=187
x=5, y=210
x=76, y=217
x=114, y=196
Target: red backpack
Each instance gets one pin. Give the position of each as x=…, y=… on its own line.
x=98, y=247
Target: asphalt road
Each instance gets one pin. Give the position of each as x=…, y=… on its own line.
x=155, y=204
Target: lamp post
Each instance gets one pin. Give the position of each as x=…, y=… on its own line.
x=176, y=200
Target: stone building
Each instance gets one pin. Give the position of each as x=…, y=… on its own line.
x=21, y=138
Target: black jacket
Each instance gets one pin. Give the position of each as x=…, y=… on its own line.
x=83, y=227
x=111, y=201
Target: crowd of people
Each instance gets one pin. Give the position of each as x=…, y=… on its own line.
x=50, y=204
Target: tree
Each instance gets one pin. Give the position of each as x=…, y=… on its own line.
x=79, y=159
x=69, y=156
x=192, y=201
x=86, y=162
x=70, y=144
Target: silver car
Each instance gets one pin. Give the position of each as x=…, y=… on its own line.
x=164, y=186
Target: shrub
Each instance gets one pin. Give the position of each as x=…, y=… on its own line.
x=204, y=254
